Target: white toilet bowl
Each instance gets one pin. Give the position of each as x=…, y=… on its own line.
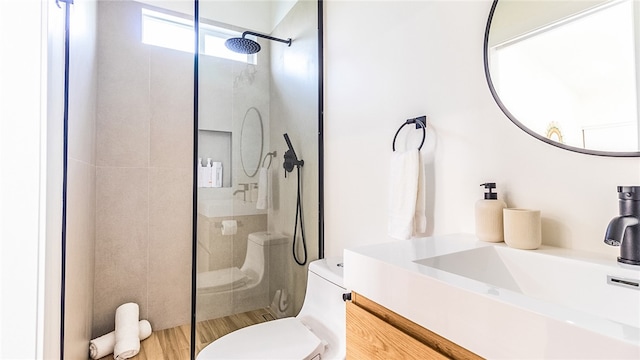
x=318, y=332
x=231, y=290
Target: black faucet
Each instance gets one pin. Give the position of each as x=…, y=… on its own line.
x=624, y=230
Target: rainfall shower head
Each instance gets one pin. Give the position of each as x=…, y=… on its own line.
x=243, y=45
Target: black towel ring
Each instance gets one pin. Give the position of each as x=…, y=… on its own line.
x=269, y=155
x=420, y=123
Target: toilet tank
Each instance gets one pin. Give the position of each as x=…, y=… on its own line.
x=265, y=238
x=264, y=250
x=323, y=309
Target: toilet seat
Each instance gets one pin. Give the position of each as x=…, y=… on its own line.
x=221, y=279
x=286, y=338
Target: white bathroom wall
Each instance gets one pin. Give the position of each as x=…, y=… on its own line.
x=23, y=181
x=386, y=61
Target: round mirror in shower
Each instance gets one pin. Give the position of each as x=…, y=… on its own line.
x=251, y=141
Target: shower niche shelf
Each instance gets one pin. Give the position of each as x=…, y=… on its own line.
x=216, y=145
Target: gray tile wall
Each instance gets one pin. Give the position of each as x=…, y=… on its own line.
x=143, y=178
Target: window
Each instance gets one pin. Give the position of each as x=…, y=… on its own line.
x=173, y=32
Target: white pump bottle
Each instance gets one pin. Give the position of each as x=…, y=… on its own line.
x=489, y=222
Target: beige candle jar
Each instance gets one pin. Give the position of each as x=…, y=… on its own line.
x=522, y=228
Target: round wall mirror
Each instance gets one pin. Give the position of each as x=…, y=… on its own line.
x=251, y=142
x=566, y=71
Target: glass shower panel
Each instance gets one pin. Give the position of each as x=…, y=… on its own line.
x=130, y=156
x=246, y=271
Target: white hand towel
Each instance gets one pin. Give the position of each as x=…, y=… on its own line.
x=403, y=192
x=264, y=190
x=103, y=345
x=420, y=217
x=127, y=329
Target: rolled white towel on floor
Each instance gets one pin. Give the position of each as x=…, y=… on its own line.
x=127, y=339
x=103, y=345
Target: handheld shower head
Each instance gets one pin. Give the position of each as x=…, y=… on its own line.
x=286, y=138
x=290, y=157
x=242, y=45
x=291, y=161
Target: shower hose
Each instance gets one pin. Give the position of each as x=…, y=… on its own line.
x=295, y=226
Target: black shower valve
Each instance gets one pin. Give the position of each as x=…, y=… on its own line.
x=291, y=161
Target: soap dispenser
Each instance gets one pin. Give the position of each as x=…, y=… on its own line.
x=489, y=225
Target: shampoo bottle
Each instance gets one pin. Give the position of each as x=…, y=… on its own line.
x=208, y=171
x=216, y=174
x=489, y=225
x=200, y=173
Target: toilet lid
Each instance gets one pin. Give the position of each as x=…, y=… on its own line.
x=221, y=279
x=286, y=338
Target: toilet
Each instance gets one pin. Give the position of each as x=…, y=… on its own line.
x=318, y=332
x=223, y=292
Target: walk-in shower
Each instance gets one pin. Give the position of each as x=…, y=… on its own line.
x=141, y=227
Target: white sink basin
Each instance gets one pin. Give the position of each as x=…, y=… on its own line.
x=505, y=303
x=575, y=284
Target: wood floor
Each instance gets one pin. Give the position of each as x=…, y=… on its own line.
x=173, y=344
